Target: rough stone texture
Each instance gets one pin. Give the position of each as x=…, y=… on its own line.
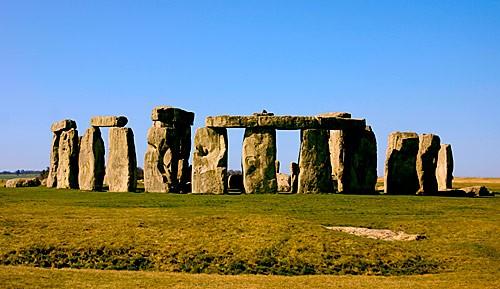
x=210, y=161
x=62, y=125
x=54, y=161
x=67, y=168
x=22, y=182
x=444, y=170
x=258, y=161
x=284, y=122
x=91, y=161
x=121, y=171
x=476, y=191
x=314, y=162
x=336, y=114
x=283, y=182
x=353, y=155
x=172, y=116
x=235, y=183
x=428, y=150
x=108, y=121
x=294, y=177
x=400, y=164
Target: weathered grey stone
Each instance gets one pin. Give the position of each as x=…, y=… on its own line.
x=160, y=162
x=54, y=161
x=235, y=183
x=172, y=116
x=121, y=171
x=294, y=177
x=353, y=155
x=91, y=167
x=314, y=162
x=284, y=122
x=283, y=182
x=258, y=161
x=428, y=151
x=400, y=164
x=22, y=182
x=210, y=161
x=67, y=169
x=336, y=114
x=476, y=191
x=444, y=170
x=108, y=121
x=62, y=125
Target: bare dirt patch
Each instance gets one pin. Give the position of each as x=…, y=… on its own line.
x=380, y=234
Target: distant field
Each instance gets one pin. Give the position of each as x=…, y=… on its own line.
x=159, y=240
x=493, y=184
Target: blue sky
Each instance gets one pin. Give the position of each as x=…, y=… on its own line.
x=424, y=66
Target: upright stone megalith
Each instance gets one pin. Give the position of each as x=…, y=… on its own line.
x=57, y=128
x=294, y=177
x=166, y=163
x=314, y=162
x=67, y=168
x=400, y=164
x=209, y=174
x=258, y=160
x=353, y=155
x=444, y=170
x=121, y=170
x=91, y=160
x=428, y=150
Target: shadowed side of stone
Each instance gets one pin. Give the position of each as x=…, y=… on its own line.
x=209, y=174
x=121, y=171
x=314, y=163
x=429, y=145
x=258, y=160
x=400, y=164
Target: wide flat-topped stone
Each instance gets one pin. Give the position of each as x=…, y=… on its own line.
x=170, y=115
x=62, y=125
x=284, y=122
x=108, y=121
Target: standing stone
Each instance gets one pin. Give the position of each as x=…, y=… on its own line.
x=91, y=160
x=294, y=177
x=277, y=166
x=67, y=168
x=428, y=151
x=235, y=183
x=400, y=164
x=183, y=167
x=54, y=161
x=210, y=161
x=314, y=162
x=160, y=173
x=121, y=171
x=353, y=155
x=444, y=170
x=258, y=160
x=283, y=182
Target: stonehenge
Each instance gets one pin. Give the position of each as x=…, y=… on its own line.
x=338, y=154
x=166, y=162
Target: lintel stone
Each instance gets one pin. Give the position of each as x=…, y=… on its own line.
x=108, y=121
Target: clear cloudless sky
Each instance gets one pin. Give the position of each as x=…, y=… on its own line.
x=424, y=66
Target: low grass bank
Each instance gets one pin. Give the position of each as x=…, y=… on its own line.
x=245, y=234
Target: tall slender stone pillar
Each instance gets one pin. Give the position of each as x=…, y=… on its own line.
x=91, y=160
x=444, y=170
x=294, y=177
x=57, y=128
x=67, y=169
x=121, y=171
x=210, y=161
x=314, y=162
x=429, y=145
x=258, y=160
x=400, y=164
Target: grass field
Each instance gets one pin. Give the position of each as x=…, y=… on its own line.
x=246, y=241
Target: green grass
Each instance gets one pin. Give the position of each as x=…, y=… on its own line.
x=163, y=236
